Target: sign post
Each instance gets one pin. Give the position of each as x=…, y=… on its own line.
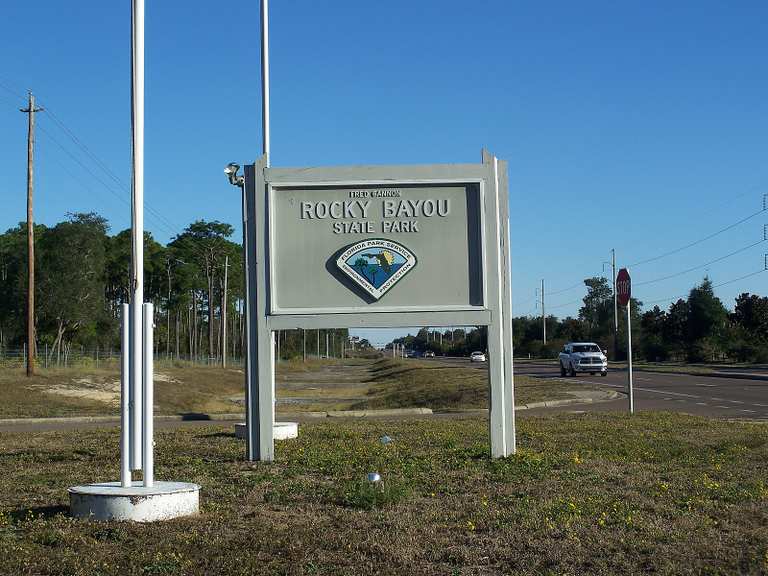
x=624, y=297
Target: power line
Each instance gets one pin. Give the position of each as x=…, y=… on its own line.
x=106, y=185
x=566, y=304
x=158, y=216
x=739, y=251
x=555, y=293
x=669, y=298
x=71, y=135
x=81, y=182
x=676, y=250
x=11, y=91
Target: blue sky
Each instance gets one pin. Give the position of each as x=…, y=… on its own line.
x=635, y=126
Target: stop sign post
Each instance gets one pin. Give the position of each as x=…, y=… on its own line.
x=624, y=296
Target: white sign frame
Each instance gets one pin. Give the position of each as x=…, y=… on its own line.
x=263, y=318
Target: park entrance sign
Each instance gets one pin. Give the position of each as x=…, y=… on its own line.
x=376, y=246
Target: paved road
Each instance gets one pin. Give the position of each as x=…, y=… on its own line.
x=703, y=395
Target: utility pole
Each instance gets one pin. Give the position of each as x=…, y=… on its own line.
x=30, y=111
x=543, y=313
x=168, y=311
x=224, y=315
x=615, y=307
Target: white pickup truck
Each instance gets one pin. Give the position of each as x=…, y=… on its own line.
x=583, y=357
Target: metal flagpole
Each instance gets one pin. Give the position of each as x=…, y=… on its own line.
x=137, y=228
x=265, y=79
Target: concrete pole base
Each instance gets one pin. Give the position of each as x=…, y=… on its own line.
x=110, y=501
x=280, y=430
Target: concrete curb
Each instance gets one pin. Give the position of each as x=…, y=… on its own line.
x=601, y=397
x=588, y=398
x=224, y=417
x=383, y=412
x=737, y=376
x=116, y=419
x=733, y=375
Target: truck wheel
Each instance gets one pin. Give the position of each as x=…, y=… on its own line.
x=604, y=373
x=591, y=373
x=562, y=369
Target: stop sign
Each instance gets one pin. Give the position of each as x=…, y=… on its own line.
x=623, y=287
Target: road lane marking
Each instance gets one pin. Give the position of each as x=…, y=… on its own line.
x=638, y=388
x=726, y=407
x=745, y=410
x=761, y=405
x=736, y=401
x=701, y=404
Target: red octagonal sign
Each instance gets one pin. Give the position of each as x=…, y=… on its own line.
x=623, y=287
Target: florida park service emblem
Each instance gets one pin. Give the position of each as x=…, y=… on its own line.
x=376, y=265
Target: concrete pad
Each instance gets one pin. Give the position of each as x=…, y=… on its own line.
x=280, y=430
x=111, y=501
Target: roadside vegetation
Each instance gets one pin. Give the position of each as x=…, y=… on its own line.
x=585, y=494
x=317, y=385
x=696, y=329
x=407, y=383
x=83, y=278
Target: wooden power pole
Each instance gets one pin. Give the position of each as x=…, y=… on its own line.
x=31, y=348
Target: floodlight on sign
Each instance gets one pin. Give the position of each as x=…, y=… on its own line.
x=231, y=172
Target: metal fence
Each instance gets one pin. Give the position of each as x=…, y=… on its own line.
x=81, y=357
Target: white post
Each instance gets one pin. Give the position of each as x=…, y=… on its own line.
x=148, y=412
x=265, y=79
x=125, y=383
x=137, y=221
x=543, y=313
x=629, y=359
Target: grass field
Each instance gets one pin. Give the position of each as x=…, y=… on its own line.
x=586, y=494
x=316, y=385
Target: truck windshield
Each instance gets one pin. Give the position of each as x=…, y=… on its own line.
x=586, y=348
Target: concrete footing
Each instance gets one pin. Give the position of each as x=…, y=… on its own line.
x=111, y=501
x=280, y=430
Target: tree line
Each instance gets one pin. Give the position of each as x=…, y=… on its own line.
x=83, y=277
x=196, y=283
x=698, y=328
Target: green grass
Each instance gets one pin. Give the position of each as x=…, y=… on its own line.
x=406, y=383
x=585, y=494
